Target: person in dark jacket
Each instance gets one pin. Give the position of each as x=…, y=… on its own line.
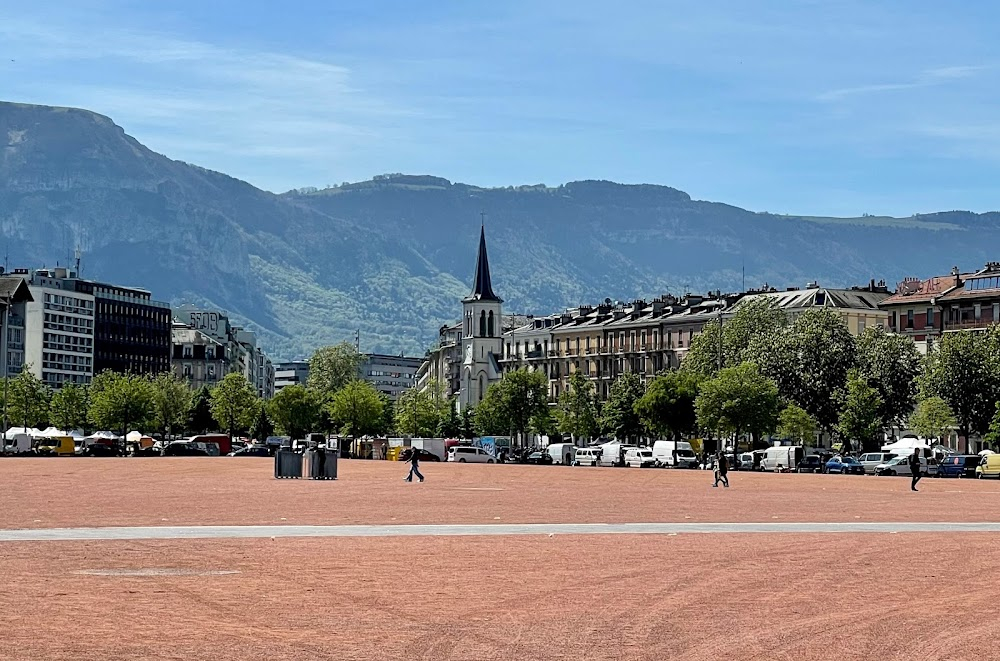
x=915, y=468
x=721, y=470
x=414, y=463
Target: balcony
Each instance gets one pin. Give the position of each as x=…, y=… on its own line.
x=534, y=354
x=968, y=324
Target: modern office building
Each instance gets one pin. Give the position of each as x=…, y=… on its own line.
x=290, y=373
x=391, y=375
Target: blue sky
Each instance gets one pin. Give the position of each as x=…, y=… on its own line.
x=834, y=107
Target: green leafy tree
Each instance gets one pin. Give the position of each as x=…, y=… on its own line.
x=450, y=426
x=295, y=411
x=810, y=362
x=739, y=401
x=417, y=414
x=358, y=409
x=933, y=418
x=795, y=423
x=235, y=404
x=962, y=371
x=263, y=427
x=667, y=407
x=511, y=403
x=576, y=414
x=750, y=333
x=993, y=433
x=69, y=407
x=332, y=368
x=121, y=402
x=171, y=402
x=860, y=422
x=28, y=400
x=619, y=418
x=891, y=364
x=199, y=419
x=543, y=423
x=468, y=423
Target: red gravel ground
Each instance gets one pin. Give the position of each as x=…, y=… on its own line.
x=700, y=597
x=57, y=492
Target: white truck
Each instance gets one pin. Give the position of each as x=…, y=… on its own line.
x=562, y=453
x=19, y=444
x=663, y=454
x=433, y=445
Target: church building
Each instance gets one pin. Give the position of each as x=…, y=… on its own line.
x=482, y=336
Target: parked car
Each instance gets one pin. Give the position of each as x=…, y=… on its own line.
x=422, y=455
x=871, y=460
x=959, y=465
x=183, y=449
x=901, y=466
x=540, y=457
x=811, y=463
x=639, y=457
x=587, y=456
x=102, y=450
x=845, y=466
x=252, y=451
x=469, y=454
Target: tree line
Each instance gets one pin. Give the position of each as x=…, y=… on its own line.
x=762, y=373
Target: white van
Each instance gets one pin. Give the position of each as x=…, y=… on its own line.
x=587, y=456
x=613, y=452
x=663, y=454
x=782, y=457
x=639, y=458
x=871, y=460
x=561, y=453
x=467, y=454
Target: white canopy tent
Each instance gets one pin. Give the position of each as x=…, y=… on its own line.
x=13, y=431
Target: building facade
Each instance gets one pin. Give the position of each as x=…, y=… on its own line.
x=290, y=373
x=14, y=293
x=197, y=357
x=859, y=307
x=390, y=375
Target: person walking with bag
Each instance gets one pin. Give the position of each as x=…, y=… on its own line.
x=721, y=470
x=414, y=466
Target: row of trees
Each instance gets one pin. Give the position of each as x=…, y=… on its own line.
x=761, y=373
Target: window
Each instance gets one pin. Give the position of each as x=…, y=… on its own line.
x=482, y=324
x=909, y=318
x=489, y=326
x=862, y=322
x=930, y=318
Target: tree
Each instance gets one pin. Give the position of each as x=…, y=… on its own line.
x=890, y=363
x=543, y=423
x=418, y=414
x=332, y=368
x=746, y=336
x=263, y=427
x=667, y=407
x=810, y=362
x=993, y=434
x=295, y=410
x=576, y=414
x=860, y=421
x=120, y=402
x=450, y=426
x=740, y=400
x=358, y=409
x=468, y=423
x=511, y=403
x=234, y=404
x=69, y=406
x=962, y=371
x=28, y=400
x=933, y=418
x=171, y=402
x=619, y=418
x=199, y=419
x=795, y=423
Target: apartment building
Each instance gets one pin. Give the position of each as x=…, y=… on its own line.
x=14, y=293
x=391, y=375
x=290, y=373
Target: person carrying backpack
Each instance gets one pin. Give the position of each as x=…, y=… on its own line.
x=721, y=470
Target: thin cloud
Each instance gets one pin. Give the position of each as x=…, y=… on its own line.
x=927, y=78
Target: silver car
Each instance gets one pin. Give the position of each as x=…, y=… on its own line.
x=873, y=459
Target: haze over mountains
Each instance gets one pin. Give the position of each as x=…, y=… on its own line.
x=393, y=256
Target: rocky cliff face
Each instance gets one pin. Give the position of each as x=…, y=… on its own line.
x=392, y=256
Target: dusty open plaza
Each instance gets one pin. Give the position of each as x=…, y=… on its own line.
x=829, y=594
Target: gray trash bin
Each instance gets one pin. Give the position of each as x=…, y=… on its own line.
x=321, y=464
x=287, y=464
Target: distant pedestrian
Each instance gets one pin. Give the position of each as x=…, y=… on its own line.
x=414, y=463
x=915, y=468
x=721, y=470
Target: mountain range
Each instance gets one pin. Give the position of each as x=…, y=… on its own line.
x=393, y=256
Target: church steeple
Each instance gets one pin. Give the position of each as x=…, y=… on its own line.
x=482, y=288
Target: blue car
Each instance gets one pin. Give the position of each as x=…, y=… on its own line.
x=845, y=466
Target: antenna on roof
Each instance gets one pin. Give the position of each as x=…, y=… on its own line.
x=78, y=254
x=482, y=218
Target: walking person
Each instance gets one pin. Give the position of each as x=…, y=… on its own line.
x=414, y=466
x=721, y=470
x=915, y=468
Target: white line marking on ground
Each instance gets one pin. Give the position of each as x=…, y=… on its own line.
x=493, y=529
